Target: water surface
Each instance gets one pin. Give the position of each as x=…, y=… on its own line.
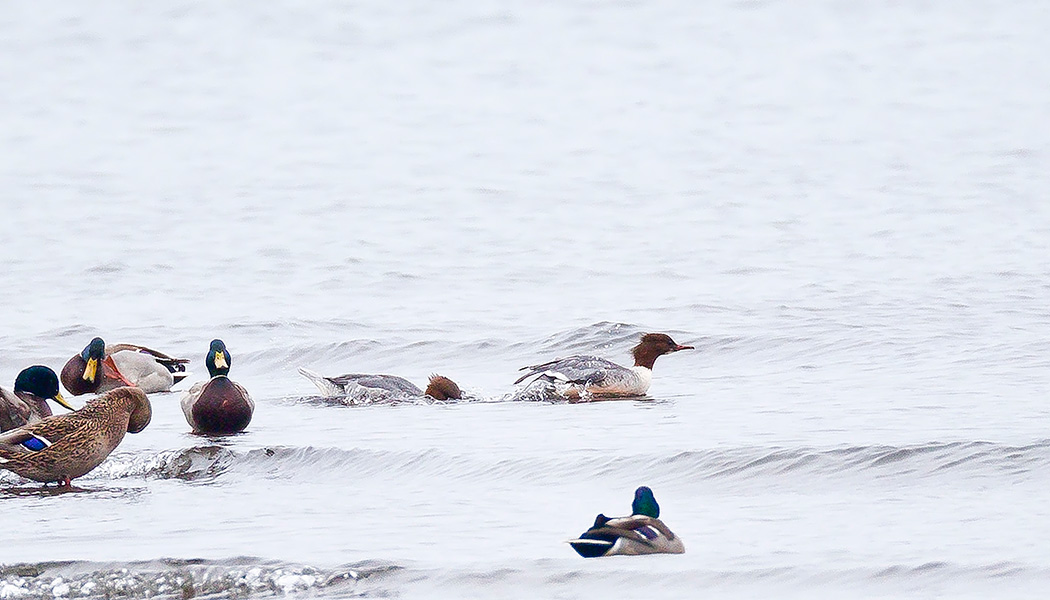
x=839, y=204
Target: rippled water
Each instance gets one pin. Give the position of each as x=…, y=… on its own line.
x=839, y=204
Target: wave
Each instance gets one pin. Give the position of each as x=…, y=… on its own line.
x=337, y=346
x=603, y=334
x=362, y=397
x=190, y=464
x=344, y=345
x=392, y=349
x=249, y=577
x=379, y=346
x=932, y=461
x=242, y=577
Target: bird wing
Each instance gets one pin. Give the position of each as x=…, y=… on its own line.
x=11, y=443
x=618, y=532
x=390, y=383
x=172, y=363
x=13, y=411
x=573, y=369
x=635, y=522
x=347, y=379
x=58, y=427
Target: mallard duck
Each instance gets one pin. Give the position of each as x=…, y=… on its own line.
x=577, y=377
x=378, y=388
x=641, y=533
x=218, y=405
x=64, y=447
x=34, y=386
x=121, y=364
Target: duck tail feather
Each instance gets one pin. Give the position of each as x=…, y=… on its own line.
x=324, y=384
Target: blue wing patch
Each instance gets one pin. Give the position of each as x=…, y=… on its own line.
x=36, y=443
x=648, y=532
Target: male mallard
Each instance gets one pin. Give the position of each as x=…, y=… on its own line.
x=121, y=364
x=34, y=386
x=218, y=405
x=576, y=377
x=376, y=388
x=64, y=447
x=641, y=533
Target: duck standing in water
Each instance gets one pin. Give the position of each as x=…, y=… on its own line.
x=63, y=447
x=219, y=405
x=584, y=377
x=100, y=368
x=381, y=388
x=34, y=386
x=641, y=533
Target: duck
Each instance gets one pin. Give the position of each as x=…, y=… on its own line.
x=120, y=365
x=641, y=533
x=219, y=405
x=34, y=386
x=63, y=447
x=377, y=388
x=588, y=377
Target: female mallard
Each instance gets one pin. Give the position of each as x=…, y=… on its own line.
x=64, y=447
x=34, y=386
x=376, y=388
x=218, y=405
x=641, y=533
x=100, y=368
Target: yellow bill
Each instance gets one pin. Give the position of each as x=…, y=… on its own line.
x=90, y=370
x=58, y=398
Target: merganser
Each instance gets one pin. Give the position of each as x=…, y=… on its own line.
x=219, y=405
x=374, y=388
x=589, y=376
x=641, y=533
x=34, y=386
x=100, y=368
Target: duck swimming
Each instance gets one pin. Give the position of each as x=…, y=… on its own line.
x=219, y=405
x=63, y=447
x=641, y=533
x=582, y=377
x=100, y=368
x=34, y=386
x=381, y=388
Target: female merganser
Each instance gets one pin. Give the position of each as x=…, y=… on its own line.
x=641, y=533
x=219, y=405
x=586, y=376
x=34, y=386
x=100, y=368
x=381, y=388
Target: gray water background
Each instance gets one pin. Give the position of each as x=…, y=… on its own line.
x=841, y=204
